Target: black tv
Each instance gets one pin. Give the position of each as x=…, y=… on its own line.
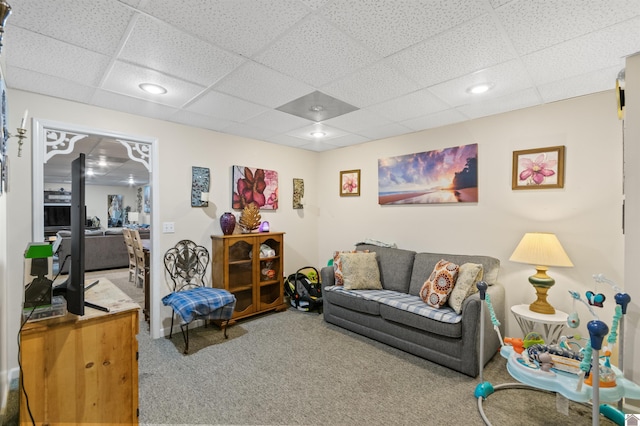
x=57, y=215
x=73, y=288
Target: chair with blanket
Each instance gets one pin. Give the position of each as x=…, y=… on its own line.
x=186, y=264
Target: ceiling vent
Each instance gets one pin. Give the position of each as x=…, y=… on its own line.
x=317, y=106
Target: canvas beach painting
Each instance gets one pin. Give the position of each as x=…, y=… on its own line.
x=448, y=175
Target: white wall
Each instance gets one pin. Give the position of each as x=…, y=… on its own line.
x=585, y=214
x=632, y=219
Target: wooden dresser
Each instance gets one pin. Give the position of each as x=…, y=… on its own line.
x=255, y=280
x=83, y=370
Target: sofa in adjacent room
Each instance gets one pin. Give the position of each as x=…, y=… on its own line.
x=104, y=249
x=393, y=312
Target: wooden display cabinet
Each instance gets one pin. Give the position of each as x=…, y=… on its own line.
x=83, y=370
x=256, y=281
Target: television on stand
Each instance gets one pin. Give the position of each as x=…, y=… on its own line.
x=73, y=288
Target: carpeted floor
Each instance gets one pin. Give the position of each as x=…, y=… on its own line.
x=292, y=368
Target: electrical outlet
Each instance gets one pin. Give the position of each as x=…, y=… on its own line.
x=168, y=227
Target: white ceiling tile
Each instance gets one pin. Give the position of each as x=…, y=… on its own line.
x=418, y=103
x=241, y=26
x=242, y=129
x=315, y=4
x=597, y=81
x=505, y=78
x=53, y=57
x=316, y=53
x=220, y=105
x=510, y=102
x=278, y=122
x=198, y=120
x=371, y=85
x=305, y=132
x=385, y=131
x=357, y=121
x=159, y=46
x=591, y=52
x=131, y=105
x=438, y=119
x=319, y=146
x=349, y=140
x=97, y=25
x=133, y=3
x=262, y=85
x=47, y=85
x=535, y=25
x=389, y=26
x=125, y=78
x=287, y=140
x=467, y=48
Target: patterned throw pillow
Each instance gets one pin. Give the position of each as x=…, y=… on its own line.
x=337, y=265
x=360, y=271
x=468, y=276
x=436, y=289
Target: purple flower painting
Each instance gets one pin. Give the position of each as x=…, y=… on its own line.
x=252, y=185
x=538, y=168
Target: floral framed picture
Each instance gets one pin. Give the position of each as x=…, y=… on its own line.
x=540, y=168
x=350, y=183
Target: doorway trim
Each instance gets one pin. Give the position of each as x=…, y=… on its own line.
x=40, y=127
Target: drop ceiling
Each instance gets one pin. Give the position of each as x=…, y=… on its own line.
x=404, y=65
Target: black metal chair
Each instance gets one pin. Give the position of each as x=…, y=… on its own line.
x=191, y=299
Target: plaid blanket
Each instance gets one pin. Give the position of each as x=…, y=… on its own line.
x=403, y=301
x=201, y=302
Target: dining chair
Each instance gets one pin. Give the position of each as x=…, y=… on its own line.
x=128, y=240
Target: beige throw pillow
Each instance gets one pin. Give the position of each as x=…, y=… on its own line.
x=360, y=271
x=337, y=265
x=468, y=276
x=436, y=289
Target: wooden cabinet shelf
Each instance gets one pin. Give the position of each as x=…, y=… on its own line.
x=80, y=370
x=257, y=282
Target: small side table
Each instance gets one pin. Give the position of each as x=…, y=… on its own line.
x=548, y=325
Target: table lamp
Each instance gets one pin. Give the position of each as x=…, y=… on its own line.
x=543, y=250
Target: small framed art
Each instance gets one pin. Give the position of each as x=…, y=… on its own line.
x=350, y=183
x=540, y=168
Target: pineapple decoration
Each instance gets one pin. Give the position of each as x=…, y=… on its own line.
x=250, y=217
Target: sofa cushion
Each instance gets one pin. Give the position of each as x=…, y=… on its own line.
x=337, y=265
x=389, y=301
x=435, y=291
x=468, y=276
x=425, y=262
x=395, y=266
x=351, y=299
x=360, y=271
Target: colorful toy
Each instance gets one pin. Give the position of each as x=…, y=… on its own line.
x=562, y=368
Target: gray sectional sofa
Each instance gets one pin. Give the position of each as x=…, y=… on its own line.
x=103, y=249
x=395, y=316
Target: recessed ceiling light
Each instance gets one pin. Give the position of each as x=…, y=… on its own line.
x=154, y=89
x=478, y=89
x=316, y=108
x=318, y=134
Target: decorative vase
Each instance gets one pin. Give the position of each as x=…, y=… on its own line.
x=227, y=223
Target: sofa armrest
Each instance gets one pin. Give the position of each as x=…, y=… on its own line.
x=327, y=278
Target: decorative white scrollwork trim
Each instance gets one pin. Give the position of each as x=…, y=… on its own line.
x=138, y=151
x=59, y=142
